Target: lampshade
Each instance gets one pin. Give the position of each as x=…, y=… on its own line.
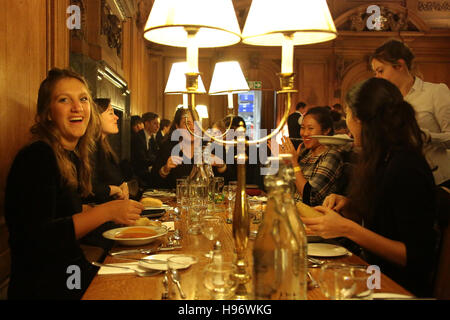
x=176, y=84
x=228, y=78
x=308, y=21
x=215, y=20
x=202, y=111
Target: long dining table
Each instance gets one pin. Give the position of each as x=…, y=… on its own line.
x=129, y=286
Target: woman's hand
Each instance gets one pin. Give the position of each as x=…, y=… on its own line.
x=288, y=147
x=173, y=162
x=119, y=192
x=330, y=225
x=335, y=202
x=125, y=191
x=124, y=211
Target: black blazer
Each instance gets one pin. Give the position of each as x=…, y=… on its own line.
x=142, y=158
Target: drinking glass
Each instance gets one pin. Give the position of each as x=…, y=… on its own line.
x=219, y=280
x=231, y=196
x=255, y=213
x=180, y=182
x=210, y=227
x=198, y=197
x=340, y=281
x=219, y=184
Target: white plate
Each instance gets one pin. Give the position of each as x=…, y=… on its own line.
x=163, y=257
x=333, y=140
x=111, y=234
x=163, y=207
x=390, y=296
x=158, y=193
x=326, y=250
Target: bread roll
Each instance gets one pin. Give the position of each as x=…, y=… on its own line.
x=151, y=202
x=307, y=212
x=147, y=222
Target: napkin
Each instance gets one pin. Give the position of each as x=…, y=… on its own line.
x=112, y=270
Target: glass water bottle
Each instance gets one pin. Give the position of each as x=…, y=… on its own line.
x=280, y=248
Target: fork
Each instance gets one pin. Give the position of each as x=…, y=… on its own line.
x=139, y=273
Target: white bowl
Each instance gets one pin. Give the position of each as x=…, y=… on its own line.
x=111, y=234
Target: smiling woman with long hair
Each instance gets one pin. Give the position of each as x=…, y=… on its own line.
x=392, y=189
x=43, y=207
x=317, y=167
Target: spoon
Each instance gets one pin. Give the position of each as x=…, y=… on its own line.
x=176, y=280
x=139, y=273
x=312, y=283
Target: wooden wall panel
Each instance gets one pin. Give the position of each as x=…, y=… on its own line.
x=25, y=57
x=435, y=71
x=314, y=83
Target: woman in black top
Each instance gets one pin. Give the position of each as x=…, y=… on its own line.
x=43, y=208
x=108, y=182
x=177, y=155
x=392, y=189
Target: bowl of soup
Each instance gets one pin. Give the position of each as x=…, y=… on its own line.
x=135, y=235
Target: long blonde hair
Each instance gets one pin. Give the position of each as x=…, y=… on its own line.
x=45, y=130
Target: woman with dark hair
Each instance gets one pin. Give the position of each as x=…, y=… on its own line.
x=43, y=207
x=177, y=156
x=394, y=61
x=392, y=190
x=317, y=167
x=108, y=182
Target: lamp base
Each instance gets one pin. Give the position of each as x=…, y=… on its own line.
x=287, y=82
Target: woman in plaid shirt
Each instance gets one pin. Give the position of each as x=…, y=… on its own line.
x=317, y=167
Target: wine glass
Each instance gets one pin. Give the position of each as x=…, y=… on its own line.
x=231, y=196
x=255, y=214
x=210, y=227
x=219, y=184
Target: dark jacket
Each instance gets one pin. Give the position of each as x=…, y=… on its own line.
x=38, y=211
x=142, y=157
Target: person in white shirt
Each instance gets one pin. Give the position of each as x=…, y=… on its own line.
x=393, y=61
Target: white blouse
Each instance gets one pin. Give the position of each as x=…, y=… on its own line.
x=431, y=101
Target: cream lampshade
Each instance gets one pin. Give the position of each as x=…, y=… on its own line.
x=193, y=24
x=288, y=23
x=228, y=79
x=176, y=84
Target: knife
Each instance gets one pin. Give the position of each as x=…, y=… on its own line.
x=144, y=251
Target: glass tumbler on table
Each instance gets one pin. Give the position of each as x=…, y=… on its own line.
x=340, y=281
x=210, y=227
x=198, y=196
